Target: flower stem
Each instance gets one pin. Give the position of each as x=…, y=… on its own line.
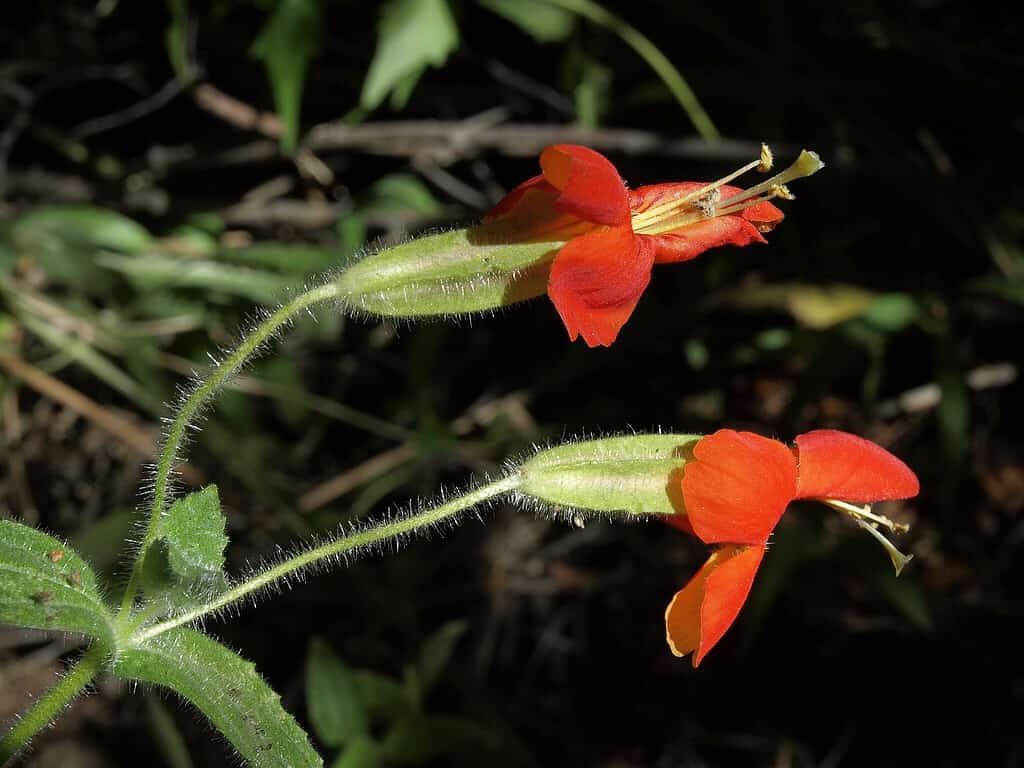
x=78, y=676
x=332, y=549
x=194, y=403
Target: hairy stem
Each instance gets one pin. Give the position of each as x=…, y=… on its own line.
x=193, y=405
x=332, y=549
x=46, y=709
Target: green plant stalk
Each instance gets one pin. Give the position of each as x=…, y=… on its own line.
x=46, y=709
x=332, y=549
x=194, y=403
x=650, y=53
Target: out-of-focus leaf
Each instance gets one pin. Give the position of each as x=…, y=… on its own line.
x=93, y=361
x=169, y=740
x=402, y=192
x=383, y=698
x=362, y=752
x=436, y=652
x=904, y=595
x=793, y=544
x=413, y=34
x=289, y=399
x=227, y=689
x=283, y=257
x=1001, y=287
x=101, y=541
x=891, y=312
x=544, y=22
x=45, y=584
x=813, y=306
x=81, y=226
x=152, y=271
x=176, y=40
x=422, y=738
x=352, y=233
x=592, y=93
x=286, y=45
x=332, y=698
x=953, y=411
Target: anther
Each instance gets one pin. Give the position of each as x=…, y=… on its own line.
x=767, y=158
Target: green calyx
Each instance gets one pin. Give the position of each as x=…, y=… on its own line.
x=451, y=273
x=627, y=475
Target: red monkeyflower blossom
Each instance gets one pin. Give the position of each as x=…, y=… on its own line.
x=735, y=490
x=613, y=236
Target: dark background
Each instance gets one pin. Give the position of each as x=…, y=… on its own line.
x=898, y=270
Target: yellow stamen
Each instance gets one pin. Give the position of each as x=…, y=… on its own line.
x=870, y=522
x=706, y=202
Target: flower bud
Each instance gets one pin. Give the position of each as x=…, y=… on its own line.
x=632, y=474
x=451, y=273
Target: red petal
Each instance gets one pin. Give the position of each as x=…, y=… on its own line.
x=596, y=281
x=738, y=486
x=590, y=186
x=691, y=241
x=512, y=199
x=702, y=611
x=838, y=465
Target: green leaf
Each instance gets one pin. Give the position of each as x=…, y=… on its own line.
x=363, y=752
x=193, y=529
x=152, y=272
x=436, y=652
x=94, y=361
x=905, y=596
x=544, y=22
x=100, y=541
x=892, y=312
x=176, y=40
x=383, y=698
x=169, y=740
x=403, y=192
x=413, y=34
x=422, y=738
x=227, y=689
x=290, y=258
x=286, y=45
x=81, y=226
x=45, y=584
x=593, y=93
x=332, y=697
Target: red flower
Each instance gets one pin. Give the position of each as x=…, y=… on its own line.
x=735, y=490
x=613, y=236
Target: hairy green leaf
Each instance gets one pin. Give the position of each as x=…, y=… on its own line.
x=46, y=585
x=194, y=531
x=332, y=699
x=286, y=45
x=413, y=34
x=227, y=689
x=545, y=23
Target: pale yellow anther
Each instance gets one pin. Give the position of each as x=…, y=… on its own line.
x=782, y=191
x=767, y=158
x=870, y=522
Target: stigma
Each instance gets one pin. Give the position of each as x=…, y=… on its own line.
x=707, y=201
x=872, y=523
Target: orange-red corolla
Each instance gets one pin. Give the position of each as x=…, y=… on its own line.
x=613, y=235
x=736, y=488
